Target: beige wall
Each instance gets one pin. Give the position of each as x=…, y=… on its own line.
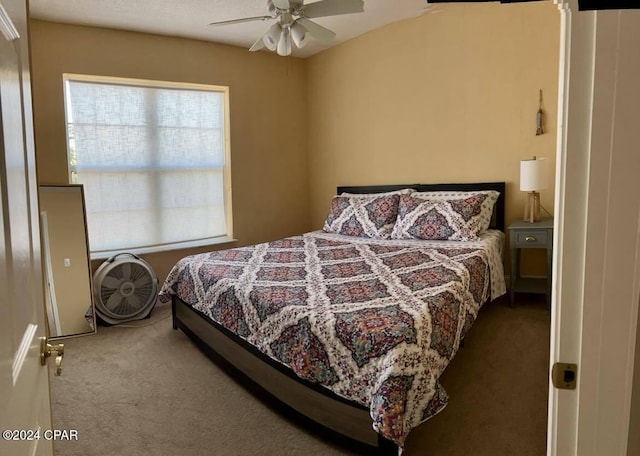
x=267, y=104
x=448, y=97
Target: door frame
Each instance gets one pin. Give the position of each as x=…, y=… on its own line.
x=596, y=237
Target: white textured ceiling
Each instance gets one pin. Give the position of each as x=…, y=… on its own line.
x=190, y=18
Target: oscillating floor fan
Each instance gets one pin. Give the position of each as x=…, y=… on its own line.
x=125, y=289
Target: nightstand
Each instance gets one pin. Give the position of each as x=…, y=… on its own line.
x=525, y=235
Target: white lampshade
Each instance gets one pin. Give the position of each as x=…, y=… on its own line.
x=284, y=45
x=271, y=38
x=299, y=34
x=533, y=175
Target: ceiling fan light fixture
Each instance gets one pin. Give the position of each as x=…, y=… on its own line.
x=299, y=35
x=294, y=26
x=272, y=37
x=284, y=45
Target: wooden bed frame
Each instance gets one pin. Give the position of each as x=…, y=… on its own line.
x=300, y=397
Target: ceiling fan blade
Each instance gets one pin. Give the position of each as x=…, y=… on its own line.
x=333, y=8
x=319, y=32
x=281, y=4
x=259, y=44
x=244, y=19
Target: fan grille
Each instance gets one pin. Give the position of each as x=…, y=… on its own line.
x=125, y=290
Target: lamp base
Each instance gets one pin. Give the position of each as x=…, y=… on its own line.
x=532, y=207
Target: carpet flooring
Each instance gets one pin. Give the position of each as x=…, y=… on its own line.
x=145, y=389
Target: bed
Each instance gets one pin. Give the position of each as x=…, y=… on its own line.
x=352, y=327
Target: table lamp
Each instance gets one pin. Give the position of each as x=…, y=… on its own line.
x=533, y=178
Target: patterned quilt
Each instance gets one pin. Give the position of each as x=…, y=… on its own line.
x=374, y=321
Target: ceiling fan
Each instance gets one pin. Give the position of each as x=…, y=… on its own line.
x=293, y=24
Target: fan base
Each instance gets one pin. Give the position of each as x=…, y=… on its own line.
x=103, y=322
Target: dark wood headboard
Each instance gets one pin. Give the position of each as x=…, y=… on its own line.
x=497, y=221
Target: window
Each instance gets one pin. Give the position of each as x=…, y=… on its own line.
x=154, y=161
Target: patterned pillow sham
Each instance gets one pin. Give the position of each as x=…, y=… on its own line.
x=451, y=219
x=486, y=208
x=362, y=217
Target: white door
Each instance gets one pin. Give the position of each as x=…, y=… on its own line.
x=24, y=382
x=597, y=237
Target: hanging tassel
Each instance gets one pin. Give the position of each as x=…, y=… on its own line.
x=539, y=118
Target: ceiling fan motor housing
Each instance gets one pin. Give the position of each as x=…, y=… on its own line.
x=294, y=6
x=125, y=289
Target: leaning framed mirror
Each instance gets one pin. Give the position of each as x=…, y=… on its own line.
x=65, y=260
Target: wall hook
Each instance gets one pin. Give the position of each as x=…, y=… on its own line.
x=540, y=117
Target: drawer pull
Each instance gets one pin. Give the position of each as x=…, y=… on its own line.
x=530, y=239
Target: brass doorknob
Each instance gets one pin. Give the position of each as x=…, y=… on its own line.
x=47, y=350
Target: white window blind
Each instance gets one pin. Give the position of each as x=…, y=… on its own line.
x=152, y=159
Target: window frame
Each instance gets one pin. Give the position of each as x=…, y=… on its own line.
x=226, y=171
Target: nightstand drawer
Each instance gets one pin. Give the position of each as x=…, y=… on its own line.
x=532, y=238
